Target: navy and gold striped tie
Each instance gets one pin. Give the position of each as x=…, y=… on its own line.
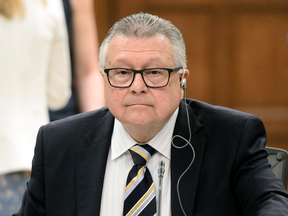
x=140, y=196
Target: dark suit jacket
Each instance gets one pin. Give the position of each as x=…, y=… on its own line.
x=229, y=176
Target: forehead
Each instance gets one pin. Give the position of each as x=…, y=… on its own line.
x=147, y=50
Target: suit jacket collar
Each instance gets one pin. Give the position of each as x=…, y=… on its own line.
x=91, y=165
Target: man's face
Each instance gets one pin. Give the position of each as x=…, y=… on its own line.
x=139, y=105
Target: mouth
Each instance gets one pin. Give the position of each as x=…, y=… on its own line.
x=139, y=105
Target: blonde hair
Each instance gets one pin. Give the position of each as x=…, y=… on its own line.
x=12, y=8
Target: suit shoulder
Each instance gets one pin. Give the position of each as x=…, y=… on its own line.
x=208, y=112
x=71, y=131
x=82, y=120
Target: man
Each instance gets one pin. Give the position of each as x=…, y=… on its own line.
x=214, y=158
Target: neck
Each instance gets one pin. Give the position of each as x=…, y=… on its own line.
x=142, y=134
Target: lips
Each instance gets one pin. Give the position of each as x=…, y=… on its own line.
x=139, y=104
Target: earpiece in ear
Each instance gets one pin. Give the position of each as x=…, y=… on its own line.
x=183, y=83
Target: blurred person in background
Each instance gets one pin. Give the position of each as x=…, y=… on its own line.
x=34, y=75
x=87, y=85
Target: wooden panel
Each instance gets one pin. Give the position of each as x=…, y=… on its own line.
x=218, y=2
x=103, y=19
x=261, y=67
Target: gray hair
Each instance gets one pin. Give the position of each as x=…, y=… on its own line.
x=146, y=25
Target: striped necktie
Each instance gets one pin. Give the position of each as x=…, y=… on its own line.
x=140, y=196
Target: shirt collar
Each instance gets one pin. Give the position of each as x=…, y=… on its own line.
x=121, y=141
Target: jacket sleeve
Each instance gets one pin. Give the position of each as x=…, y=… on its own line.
x=34, y=197
x=257, y=190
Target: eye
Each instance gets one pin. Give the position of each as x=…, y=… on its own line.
x=123, y=72
x=154, y=71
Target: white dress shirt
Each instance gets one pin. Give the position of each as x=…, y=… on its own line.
x=120, y=162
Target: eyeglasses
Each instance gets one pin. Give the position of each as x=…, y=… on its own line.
x=152, y=77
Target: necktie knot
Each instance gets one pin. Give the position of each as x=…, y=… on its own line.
x=141, y=153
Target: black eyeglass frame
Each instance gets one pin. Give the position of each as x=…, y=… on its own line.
x=170, y=70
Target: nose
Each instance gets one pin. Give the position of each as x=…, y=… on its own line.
x=138, y=84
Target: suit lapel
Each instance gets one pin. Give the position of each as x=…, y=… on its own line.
x=91, y=165
x=180, y=160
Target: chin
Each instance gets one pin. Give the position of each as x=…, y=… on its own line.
x=139, y=120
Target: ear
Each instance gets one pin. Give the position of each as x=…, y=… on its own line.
x=101, y=71
x=184, y=75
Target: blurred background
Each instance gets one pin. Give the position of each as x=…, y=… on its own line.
x=237, y=52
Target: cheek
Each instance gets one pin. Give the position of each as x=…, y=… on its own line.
x=114, y=98
x=176, y=91
x=109, y=96
x=169, y=101
x=106, y=94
